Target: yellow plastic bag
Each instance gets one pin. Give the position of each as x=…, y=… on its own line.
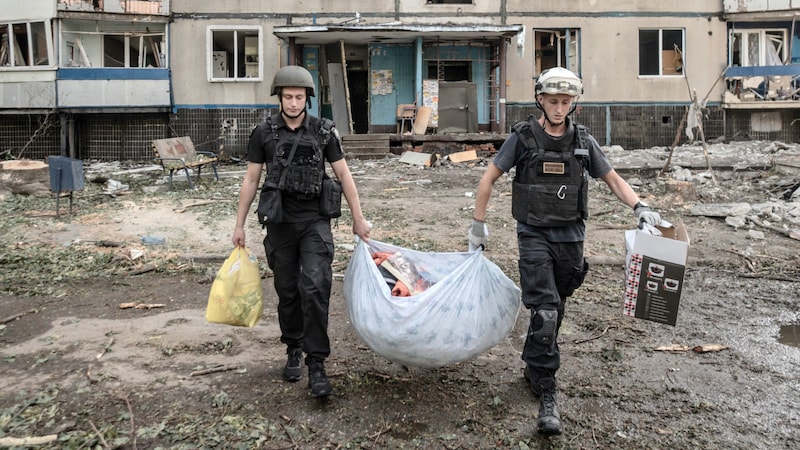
x=236, y=296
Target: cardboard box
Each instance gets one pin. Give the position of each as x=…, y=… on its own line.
x=654, y=273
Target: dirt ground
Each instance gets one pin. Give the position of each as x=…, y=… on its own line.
x=78, y=371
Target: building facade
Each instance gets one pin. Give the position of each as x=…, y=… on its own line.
x=100, y=79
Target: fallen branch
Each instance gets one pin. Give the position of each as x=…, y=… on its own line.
x=581, y=341
x=105, y=349
x=17, y=316
x=135, y=305
x=212, y=370
x=27, y=441
x=144, y=269
x=99, y=435
x=130, y=414
x=199, y=203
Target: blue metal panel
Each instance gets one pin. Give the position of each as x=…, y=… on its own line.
x=479, y=57
x=83, y=73
x=398, y=60
x=760, y=71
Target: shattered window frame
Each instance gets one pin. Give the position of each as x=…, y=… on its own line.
x=241, y=62
x=563, y=42
x=113, y=48
x=656, y=47
x=32, y=43
x=136, y=50
x=757, y=40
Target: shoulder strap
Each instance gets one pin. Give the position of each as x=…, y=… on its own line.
x=288, y=160
x=325, y=129
x=525, y=132
x=582, y=135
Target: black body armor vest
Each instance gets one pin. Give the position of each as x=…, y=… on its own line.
x=551, y=187
x=306, y=169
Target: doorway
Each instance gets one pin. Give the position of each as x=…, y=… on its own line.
x=358, y=85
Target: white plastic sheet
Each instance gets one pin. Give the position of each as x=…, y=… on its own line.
x=470, y=307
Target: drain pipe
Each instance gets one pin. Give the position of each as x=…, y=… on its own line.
x=501, y=104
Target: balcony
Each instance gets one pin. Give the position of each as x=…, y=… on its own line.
x=151, y=7
x=762, y=87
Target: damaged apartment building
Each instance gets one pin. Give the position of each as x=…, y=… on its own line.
x=102, y=79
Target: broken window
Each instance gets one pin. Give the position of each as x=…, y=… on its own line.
x=556, y=48
x=235, y=53
x=661, y=52
x=133, y=50
x=25, y=44
x=757, y=47
x=106, y=48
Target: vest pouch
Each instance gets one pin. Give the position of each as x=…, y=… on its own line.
x=544, y=204
x=303, y=180
x=330, y=200
x=270, y=207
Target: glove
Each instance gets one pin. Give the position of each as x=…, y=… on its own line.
x=646, y=215
x=478, y=235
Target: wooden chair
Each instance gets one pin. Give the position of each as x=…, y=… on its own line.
x=406, y=113
x=178, y=153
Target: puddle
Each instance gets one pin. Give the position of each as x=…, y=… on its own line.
x=790, y=335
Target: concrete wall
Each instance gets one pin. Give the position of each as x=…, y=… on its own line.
x=608, y=42
x=28, y=10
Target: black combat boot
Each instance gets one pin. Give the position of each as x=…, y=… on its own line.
x=318, y=380
x=545, y=388
x=549, y=420
x=294, y=364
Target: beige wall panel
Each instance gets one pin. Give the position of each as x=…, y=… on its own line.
x=610, y=59
x=478, y=6
x=596, y=6
x=29, y=10
x=191, y=87
x=346, y=7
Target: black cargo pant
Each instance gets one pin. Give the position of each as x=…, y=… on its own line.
x=549, y=273
x=300, y=256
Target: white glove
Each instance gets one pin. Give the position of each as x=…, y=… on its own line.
x=645, y=214
x=478, y=235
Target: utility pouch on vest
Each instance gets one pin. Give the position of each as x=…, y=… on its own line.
x=270, y=207
x=330, y=200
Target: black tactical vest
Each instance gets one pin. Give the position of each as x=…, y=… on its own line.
x=551, y=187
x=304, y=173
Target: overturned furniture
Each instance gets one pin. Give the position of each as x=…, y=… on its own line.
x=178, y=153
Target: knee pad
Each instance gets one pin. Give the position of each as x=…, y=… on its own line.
x=546, y=333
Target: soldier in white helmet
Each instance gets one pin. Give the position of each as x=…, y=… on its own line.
x=553, y=158
x=294, y=146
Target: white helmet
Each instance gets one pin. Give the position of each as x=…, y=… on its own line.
x=559, y=80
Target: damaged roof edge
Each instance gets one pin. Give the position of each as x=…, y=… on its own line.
x=398, y=30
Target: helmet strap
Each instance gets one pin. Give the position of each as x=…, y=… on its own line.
x=295, y=116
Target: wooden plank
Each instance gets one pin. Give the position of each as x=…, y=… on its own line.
x=422, y=119
x=467, y=155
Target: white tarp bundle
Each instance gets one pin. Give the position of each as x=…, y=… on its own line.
x=468, y=305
